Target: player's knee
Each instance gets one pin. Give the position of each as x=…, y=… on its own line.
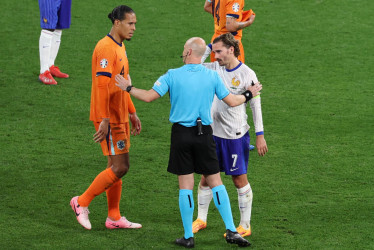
x=203, y=182
x=240, y=181
x=120, y=170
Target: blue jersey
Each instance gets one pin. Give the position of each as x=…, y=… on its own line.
x=55, y=14
x=192, y=88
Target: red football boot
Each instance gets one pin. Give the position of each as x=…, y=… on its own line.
x=47, y=78
x=55, y=71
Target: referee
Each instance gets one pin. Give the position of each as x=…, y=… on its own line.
x=192, y=88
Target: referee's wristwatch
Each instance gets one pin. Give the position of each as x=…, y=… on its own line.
x=128, y=89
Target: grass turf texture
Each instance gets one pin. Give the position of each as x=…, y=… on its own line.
x=312, y=190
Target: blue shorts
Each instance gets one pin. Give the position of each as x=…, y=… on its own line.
x=233, y=154
x=55, y=14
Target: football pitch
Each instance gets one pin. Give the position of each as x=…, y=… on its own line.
x=314, y=188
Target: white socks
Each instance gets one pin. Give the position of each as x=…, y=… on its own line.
x=45, y=43
x=245, y=197
x=49, y=44
x=204, y=196
x=56, y=40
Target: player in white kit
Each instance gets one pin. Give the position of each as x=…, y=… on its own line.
x=230, y=131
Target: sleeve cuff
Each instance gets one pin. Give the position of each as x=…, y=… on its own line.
x=260, y=133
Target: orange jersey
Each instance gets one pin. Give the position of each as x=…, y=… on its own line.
x=107, y=100
x=222, y=9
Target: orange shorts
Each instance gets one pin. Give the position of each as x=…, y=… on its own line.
x=241, y=57
x=118, y=139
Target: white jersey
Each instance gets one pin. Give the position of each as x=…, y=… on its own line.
x=231, y=122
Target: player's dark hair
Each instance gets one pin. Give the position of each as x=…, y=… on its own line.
x=119, y=13
x=229, y=40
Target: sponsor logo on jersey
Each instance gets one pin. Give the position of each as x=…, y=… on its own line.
x=235, y=7
x=103, y=63
x=45, y=20
x=121, y=145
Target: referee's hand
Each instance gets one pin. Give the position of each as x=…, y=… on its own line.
x=255, y=89
x=122, y=82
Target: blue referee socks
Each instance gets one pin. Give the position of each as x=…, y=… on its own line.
x=186, y=207
x=222, y=202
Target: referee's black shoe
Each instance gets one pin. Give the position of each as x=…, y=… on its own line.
x=188, y=243
x=236, y=238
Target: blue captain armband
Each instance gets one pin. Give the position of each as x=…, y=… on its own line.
x=103, y=74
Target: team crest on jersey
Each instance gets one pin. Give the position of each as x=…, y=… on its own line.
x=104, y=63
x=235, y=82
x=121, y=145
x=235, y=7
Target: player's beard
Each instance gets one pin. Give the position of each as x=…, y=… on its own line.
x=220, y=62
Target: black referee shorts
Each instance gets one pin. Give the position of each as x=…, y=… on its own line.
x=192, y=153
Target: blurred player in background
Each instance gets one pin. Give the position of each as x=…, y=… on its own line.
x=55, y=15
x=230, y=132
x=229, y=17
x=110, y=112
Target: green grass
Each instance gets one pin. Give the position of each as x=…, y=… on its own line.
x=313, y=190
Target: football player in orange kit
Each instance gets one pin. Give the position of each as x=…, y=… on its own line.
x=229, y=17
x=110, y=111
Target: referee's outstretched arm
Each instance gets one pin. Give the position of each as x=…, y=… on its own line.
x=141, y=94
x=235, y=100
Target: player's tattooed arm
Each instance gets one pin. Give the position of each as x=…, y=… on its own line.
x=232, y=25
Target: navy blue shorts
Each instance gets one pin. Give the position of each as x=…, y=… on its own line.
x=55, y=14
x=233, y=154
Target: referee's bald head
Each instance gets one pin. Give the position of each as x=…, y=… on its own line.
x=197, y=45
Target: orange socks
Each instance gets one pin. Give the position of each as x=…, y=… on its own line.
x=109, y=182
x=102, y=182
x=113, y=195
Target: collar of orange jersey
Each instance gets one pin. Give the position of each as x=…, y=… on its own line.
x=119, y=44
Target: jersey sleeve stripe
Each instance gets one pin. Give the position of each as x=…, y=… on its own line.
x=232, y=15
x=104, y=74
